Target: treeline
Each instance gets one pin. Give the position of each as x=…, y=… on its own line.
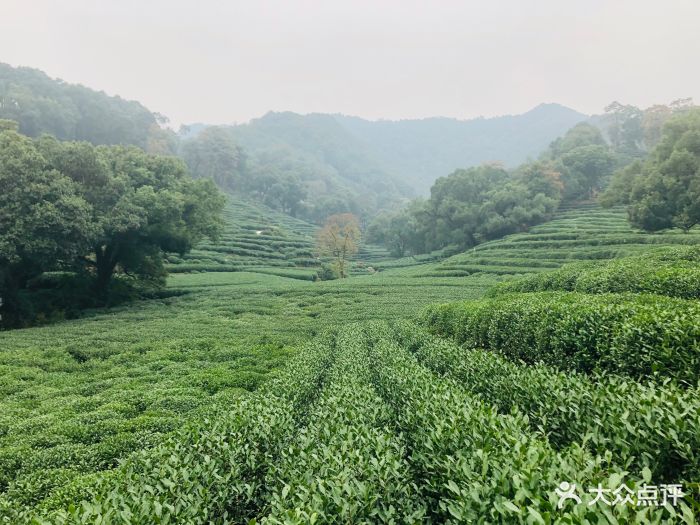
x=41, y=104
x=663, y=191
x=308, y=167
x=487, y=202
x=73, y=216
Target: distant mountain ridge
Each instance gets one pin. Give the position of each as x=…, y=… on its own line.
x=423, y=150
x=351, y=163
x=406, y=154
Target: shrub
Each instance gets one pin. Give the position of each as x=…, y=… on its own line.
x=607, y=414
x=633, y=335
x=674, y=273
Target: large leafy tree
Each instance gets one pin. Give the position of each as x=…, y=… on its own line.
x=472, y=206
x=45, y=223
x=664, y=191
x=400, y=231
x=582, y=134
x=585, y=170
x=142, y=205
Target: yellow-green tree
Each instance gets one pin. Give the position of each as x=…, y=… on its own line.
x=339, y=238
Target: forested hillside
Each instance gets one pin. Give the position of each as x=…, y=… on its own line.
x=422, y=150
x=41, y=104
x=336, y=163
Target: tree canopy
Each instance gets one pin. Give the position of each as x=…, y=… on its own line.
x=664, y=191
x=40, y=104
x=95, y=211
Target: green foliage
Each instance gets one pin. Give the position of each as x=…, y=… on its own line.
x=84, y=394
x=637, y=336
x=469, y=207
x=213, y=154
x=606, y=414
x=668, y=272
x=585, y=171
x=95, y=210
x=40, y=104
x=581, y=233
x=663, y=192
x=328, y=272
x=307, y=166
x=356, y=429
x=478, y=466
x=44, y=222
x=347, y=465
x=213, y=469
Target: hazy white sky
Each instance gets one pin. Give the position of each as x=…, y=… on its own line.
x=228, y=61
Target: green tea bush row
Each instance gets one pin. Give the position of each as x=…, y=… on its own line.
x=478, y=466
x=213, y=470
x=628, y=419
x=675, y=273
x=347, y=465
x=627, y=334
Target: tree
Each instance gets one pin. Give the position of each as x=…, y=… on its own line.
x=141, y=206
x=399, y=231
x=664, y=191
x=618, y=191
x=213, y=154
x=44, y=221
x=339, y=238
x=625, y=128
x=584, y=170
x=582, y=134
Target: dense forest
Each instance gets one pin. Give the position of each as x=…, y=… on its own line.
x=73, y=215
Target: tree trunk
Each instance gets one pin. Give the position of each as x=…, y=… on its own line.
x=12, y=279
x=105, y=262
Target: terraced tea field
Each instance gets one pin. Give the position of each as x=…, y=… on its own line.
x=262, y=240
x=254, y=394
x=583, y=233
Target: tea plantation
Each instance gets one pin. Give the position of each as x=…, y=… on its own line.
x=437, y=390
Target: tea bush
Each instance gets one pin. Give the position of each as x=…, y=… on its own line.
x=633, y=335
x=606, y=414
x=347, y=465
x=212, y=470
x=478, y=466
x=674, y=272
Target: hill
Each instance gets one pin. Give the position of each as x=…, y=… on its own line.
x=328, y=158
x=397, y=158
x=584, y=232
x=262, y=240
x=423, y=150
x=41, y=104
